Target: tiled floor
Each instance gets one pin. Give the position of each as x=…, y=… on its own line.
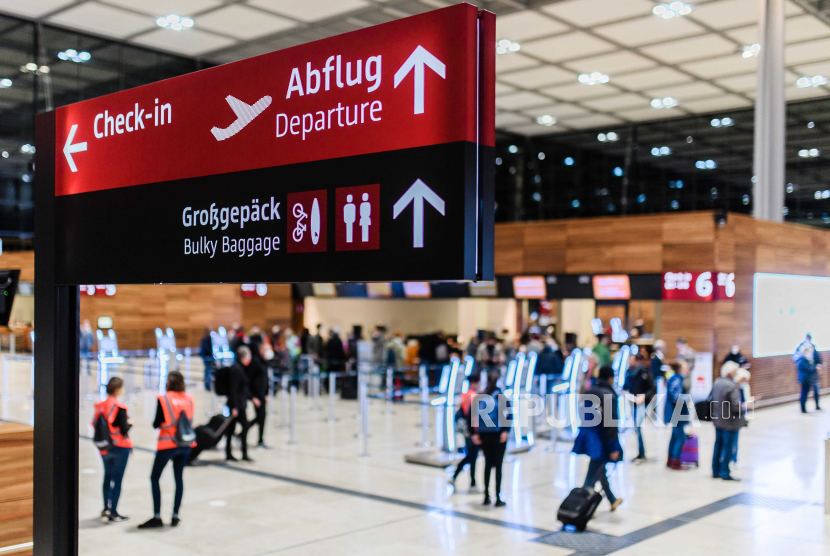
x=320, y=497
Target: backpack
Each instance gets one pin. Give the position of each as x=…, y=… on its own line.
x=185, y=435
x=222, y=384
x=390, y=357
x=102, y=438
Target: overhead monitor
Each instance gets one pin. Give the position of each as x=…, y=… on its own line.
x=417, y=290
x=785, y=308
x=483, y=289
x=8, y=285
x=379, y=289
x=529, y=287
x=612, y=287
x=324, y=290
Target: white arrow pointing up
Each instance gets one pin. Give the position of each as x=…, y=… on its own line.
x=416, y=194
x=69, y=149
x=417, y=60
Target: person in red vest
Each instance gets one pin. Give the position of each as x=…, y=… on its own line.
x=115, y=458
x=170, y=406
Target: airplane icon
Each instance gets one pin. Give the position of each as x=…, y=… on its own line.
x=245, y=114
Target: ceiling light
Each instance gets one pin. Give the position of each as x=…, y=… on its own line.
x=667, y=102
x=815, y=81
x=618, y=172
x=745, y=199
x=5, y=154
x=808, y=153
x=540, y=156
x=661, y=151
x=74, y=55
x=790, y=188
x=641, y=198
x=31, y=66
x=506, y=45
x=537, y=196
x=825, y=194
x=811, y=125
x=714, y=192
x=602, y=138
x=498, y=161
x=675, y=205
x=786, y=211
x=612, y=136
x=750, y=51
x=724, y=122
x=175, y=22
x=512, y=149
x=594, y=78
x=546, y=120
x=575, y=203
x=5, y=83
x=27, y=149
x=668, y=11
x=706, y=164
x=569, y=161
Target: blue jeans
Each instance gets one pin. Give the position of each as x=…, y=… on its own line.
x=179, y=457
x=725, y=444
x=208, y=361
x=805, y=391
x=678, y=438
x=115, y=462
x=597, y=472
x=639, y=415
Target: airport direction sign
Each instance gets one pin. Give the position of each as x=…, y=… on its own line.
x=363, y=157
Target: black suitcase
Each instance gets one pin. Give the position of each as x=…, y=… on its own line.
x=208, y=436
x=578, y=507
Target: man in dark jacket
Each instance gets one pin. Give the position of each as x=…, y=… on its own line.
x=550, y=362
x=728, y=418
x=206, y=352
x=639, y=382
x=258, y=383
x=238, y=395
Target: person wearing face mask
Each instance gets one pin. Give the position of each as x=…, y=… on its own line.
x=736, y=356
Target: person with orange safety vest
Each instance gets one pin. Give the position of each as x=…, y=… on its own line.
x=170, y=407
x=115, y=458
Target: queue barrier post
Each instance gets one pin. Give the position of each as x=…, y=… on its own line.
x=315, y=385
x=424, y=385
x=6, y=394
x=12, y=342
x=364, y=421
x=291, y=427
x=332, y=396
x=283, y=401
x=390, y=391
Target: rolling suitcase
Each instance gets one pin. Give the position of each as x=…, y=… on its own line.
x=207, y=436
x=688, y=456
x=578, y=507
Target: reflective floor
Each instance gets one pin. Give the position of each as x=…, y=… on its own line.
x=320, y=496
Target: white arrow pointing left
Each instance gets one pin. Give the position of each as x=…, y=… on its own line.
x=419, y=58
x=69, y=149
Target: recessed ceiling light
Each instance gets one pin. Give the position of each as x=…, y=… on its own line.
x=546, y=120
x=745, y=199
x=661, y=151
x=540, y=156
x=5, y=83
x=575, y=203
x=594, y=78
x=790, y=188
x=175, y=22
x=70, y=54
x=618, y=172
x=668, y=11
x=5, y=154
x=506, y=45
x=667, y=102
x=750, y=51
x=808, y=153
x=815, y=81
x=569, y=161
x=811, y=125
x=706, y=164
x=675, y=205
x=512, y=149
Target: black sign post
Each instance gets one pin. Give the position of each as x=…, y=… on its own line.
x=282, y=168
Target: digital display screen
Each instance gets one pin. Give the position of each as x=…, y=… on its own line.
x=483, y=289
x=323, y=290
x=104, y=323
x=379, y=289
x=529, y=287
x=417, y=289
x=8, y=284
x=612, y=287
x=785, y=308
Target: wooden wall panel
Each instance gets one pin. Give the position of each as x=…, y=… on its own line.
x=23, y=260
x=689, y=256
x=16, y=482
x=691, y=320
x=690, y=227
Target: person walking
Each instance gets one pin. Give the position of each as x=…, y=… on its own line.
x=492, y=436
x=599, y=440
x=116, y=456
x=238, y=395
x=728, y=418
x=603, y=350
x=676, y=410
x=639, y=383
x=808, y=364
x=258, y=381
x=464, y=422
x=206, y=353
x=169, y=410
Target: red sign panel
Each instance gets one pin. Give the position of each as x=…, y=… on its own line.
x=698, y=286
x=404, y=84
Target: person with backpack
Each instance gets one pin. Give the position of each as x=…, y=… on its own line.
x=491, y=434
x=464, y=422
x=639, y=382
x=238, y=395
x=112, y=424
x=174, y=418
x=599, y=440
